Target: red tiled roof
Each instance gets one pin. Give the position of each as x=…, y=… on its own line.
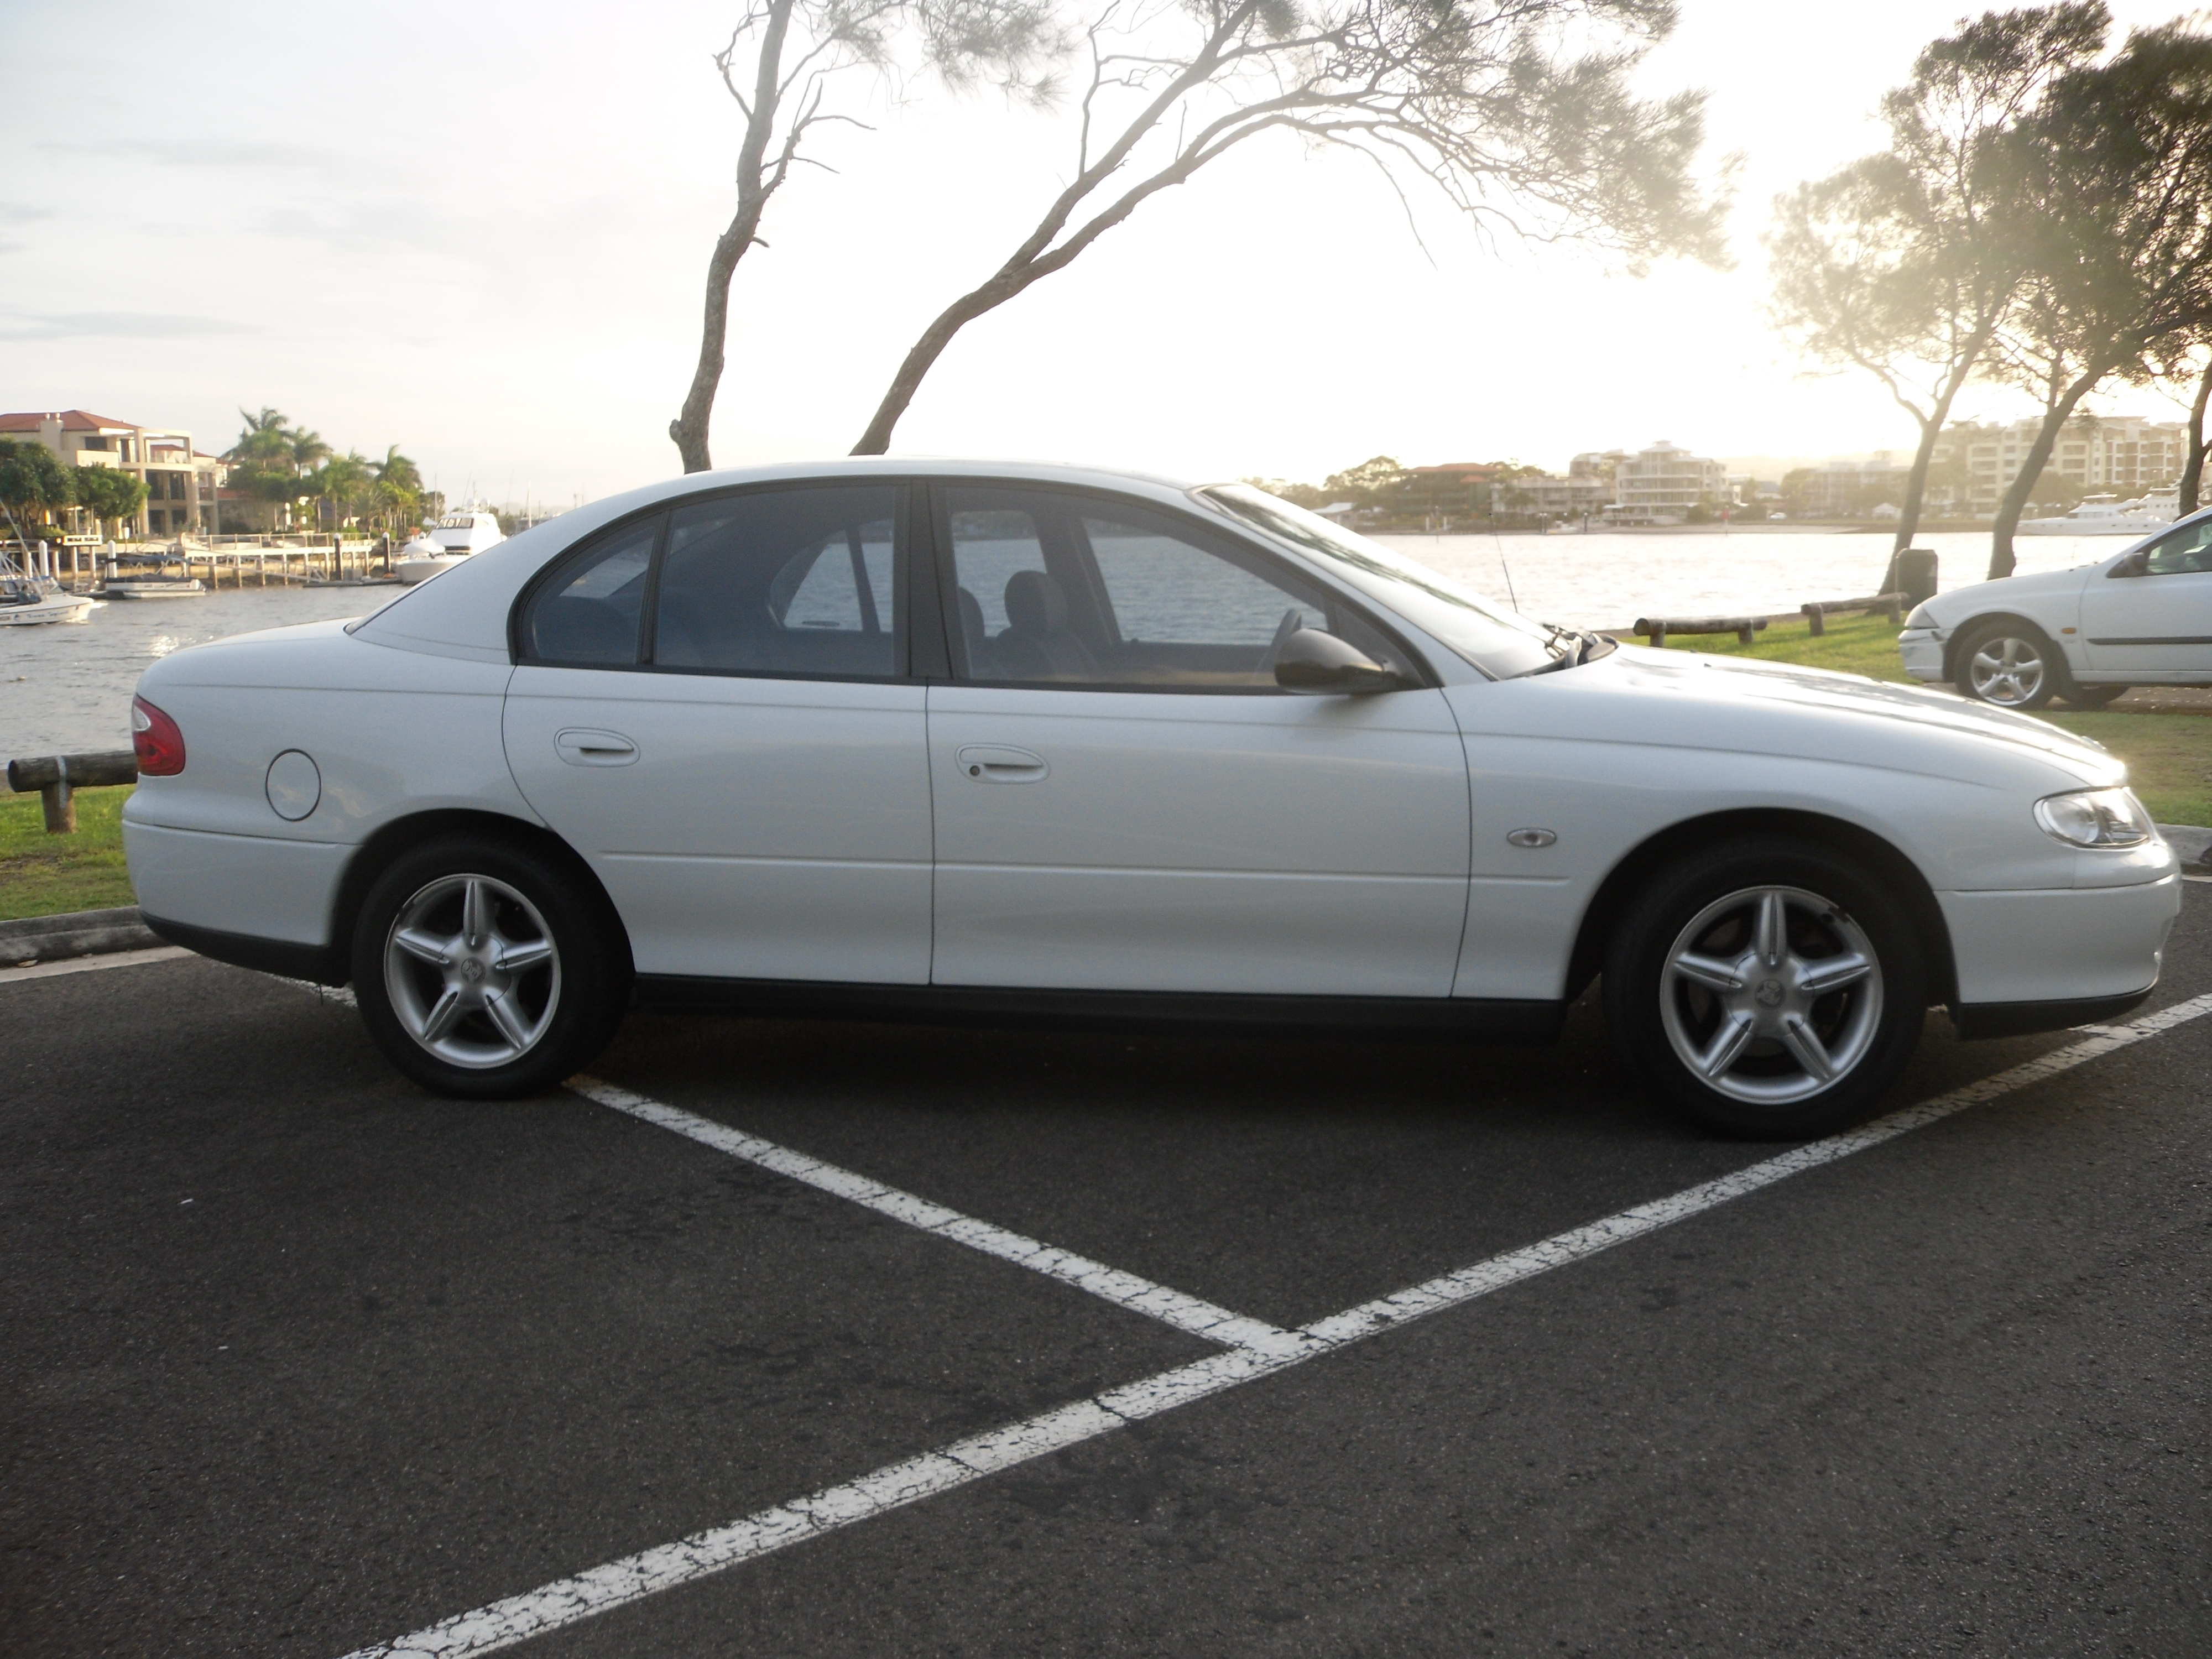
x=73, y=419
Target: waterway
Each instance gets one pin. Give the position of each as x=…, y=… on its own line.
x=67, y=688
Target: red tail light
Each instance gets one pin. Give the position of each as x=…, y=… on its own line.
x=154, y=737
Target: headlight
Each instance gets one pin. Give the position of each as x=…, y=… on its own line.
x=1920, y=618
x=2095, y=817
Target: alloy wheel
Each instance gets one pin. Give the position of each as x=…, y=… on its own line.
x=1770, y=995
x=473, y=972
x=2008, y=671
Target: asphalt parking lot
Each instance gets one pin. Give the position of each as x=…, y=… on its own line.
x=872, y=1339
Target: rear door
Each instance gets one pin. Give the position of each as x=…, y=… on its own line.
x=713, y=706
x=1125, y=800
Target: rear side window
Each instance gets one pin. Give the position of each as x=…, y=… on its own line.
x=589, y=616
x=782, y=581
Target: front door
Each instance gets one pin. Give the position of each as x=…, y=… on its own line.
x=1125, y=800
x=2158, y=626
x=712, y=709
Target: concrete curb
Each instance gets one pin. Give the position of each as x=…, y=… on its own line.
x=76, y=933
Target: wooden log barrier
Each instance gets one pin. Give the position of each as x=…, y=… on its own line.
x=1658, y=628
x=1816, y=614
x=57, y=777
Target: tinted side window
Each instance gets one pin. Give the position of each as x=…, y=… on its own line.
x=782, y=581
x=588, y=615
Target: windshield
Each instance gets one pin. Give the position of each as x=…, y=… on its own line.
x=1499, y=642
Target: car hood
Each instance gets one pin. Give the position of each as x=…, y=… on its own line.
x=1948, y=609
x=1820, y=713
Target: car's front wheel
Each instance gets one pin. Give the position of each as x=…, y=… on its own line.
x=1770, y=989
x=2009, y=665
x=482, y=972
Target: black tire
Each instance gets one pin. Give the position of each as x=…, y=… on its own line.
x=2095, y=696
x=567, y=1005
x=2026, y=670
x=1866, y=1030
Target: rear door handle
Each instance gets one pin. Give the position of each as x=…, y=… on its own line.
x=992, y=762
x=580, y=747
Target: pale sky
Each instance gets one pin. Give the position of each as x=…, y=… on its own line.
x=480, y=232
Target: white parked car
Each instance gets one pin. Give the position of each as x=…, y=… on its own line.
x=908, y=739
x=2141, y=617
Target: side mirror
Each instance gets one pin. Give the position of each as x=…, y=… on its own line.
x=1320, y=664
x=2136, y=563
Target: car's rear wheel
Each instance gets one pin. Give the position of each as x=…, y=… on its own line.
x=1770, y=989
x=482, y=972
x=2010, y=665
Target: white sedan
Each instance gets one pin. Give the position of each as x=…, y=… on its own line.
x=2142, y=616
x=953, y=741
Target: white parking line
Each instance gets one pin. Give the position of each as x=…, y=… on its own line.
x=86, y=964
x=615, y=1584
x=1185, y=1313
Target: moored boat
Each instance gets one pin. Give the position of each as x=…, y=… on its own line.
x=2107, y=515
x=451, y=540
x=25, y=602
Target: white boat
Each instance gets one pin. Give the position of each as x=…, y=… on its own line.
x=451, y=539
x=2108, y=515
x=26, y=601
x=153, y=587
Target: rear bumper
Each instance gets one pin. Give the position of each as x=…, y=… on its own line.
x=318, y=964
x=258, y=887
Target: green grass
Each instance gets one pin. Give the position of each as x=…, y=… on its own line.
x=1854, y=645
x=2169, y=756
x=44, y=875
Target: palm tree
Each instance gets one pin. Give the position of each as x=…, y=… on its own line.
x=263, y=463
x=341, y=481
x=399, y=486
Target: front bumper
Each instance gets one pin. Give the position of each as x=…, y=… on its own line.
x=2053, y=957
x=1922, y=648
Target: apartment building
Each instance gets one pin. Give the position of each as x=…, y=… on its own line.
x=2123, y=455
x=182, y=485
x=1548, y=497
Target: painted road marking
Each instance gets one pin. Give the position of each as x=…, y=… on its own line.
x=615, y=1584
x=86, y=964
x=1185, y=1313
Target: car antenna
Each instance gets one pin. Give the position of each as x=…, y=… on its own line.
x=1504, y=566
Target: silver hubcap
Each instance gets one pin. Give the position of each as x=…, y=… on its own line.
x=471, y=971
x=1770, y=995
x=2008, y=671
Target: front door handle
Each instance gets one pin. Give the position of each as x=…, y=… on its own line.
x=991, y=762
x=580, y=747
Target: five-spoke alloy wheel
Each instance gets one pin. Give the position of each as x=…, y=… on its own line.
x=1771, y=989
x=485, y=969
x=2009, y=665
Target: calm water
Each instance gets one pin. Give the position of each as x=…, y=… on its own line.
x=68, y=688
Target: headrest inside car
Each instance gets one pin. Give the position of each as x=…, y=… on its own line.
x=1035, y=603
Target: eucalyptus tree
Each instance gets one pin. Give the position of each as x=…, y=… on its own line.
x=1900, y=264
x=777, y=68
x=2115, y=235
x=1520, y=113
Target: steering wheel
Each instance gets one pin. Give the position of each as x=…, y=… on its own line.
x=1292, y=621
